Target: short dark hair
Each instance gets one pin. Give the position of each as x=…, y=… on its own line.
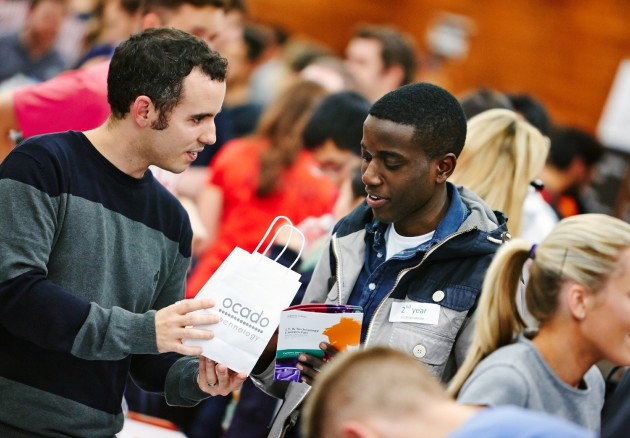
x=338, y=117
x=437, y=117
x=569, y=143
x=154, y=63
x=398, y=48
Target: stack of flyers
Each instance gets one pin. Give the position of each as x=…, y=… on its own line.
x=305, y=326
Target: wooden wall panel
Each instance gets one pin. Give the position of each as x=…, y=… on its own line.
x=565, y=52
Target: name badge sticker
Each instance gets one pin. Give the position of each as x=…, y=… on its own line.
x=422, y=313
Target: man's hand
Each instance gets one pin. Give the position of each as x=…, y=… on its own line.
x=310, y=366
x=174, y=323
x=217, y=379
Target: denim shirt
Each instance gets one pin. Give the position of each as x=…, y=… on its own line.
x=378, y=276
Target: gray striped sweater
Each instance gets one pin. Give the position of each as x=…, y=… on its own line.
x=87, y=255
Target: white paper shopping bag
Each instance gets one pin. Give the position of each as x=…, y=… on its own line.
x=250, y=291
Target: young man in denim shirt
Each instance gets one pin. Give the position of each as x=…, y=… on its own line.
x=414, y=254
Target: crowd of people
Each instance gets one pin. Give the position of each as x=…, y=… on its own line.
x=178, y=131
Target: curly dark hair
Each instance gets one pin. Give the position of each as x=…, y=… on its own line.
x=154, y=63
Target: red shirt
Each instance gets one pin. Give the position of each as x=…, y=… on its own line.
x=564, y=205
x=304, y=191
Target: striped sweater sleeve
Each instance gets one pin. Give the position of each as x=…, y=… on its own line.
x=33, y=306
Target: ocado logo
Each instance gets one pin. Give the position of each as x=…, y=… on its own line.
x=245, y=312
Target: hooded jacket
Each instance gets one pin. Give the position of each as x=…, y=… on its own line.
x=450, y=273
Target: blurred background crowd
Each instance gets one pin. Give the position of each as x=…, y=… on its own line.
x=302, y=75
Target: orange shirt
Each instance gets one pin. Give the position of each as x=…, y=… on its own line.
x=304, y=191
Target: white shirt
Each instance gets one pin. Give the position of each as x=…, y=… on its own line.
x=538, y=217
x=397, y=243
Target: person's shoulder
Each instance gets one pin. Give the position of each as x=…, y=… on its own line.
x=500, y=378
x=540, y=424
x=482, y=216
x=509, y=357
x=356, y=220
x=98, y=67
x=512, y=354
x=56, y=144
x=83, y=86
x=520, y=423
x=74, y=99
x=89, y=79
x=42, y=162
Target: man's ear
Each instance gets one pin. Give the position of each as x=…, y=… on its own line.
x=445, y=167
x=142, y=111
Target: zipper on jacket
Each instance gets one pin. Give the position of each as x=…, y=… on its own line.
x=404, y=271
x=337, y=273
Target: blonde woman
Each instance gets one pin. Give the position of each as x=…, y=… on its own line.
x=502, y=155
x=579, y=292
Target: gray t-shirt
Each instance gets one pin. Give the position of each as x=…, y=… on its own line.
x=518, y=375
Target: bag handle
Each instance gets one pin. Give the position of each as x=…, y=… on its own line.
x=286, y=245
x=292, y=228
x=269, y=231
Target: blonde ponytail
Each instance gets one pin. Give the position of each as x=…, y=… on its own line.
x=502, y=155
x=498, y=319
x=583, y=248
